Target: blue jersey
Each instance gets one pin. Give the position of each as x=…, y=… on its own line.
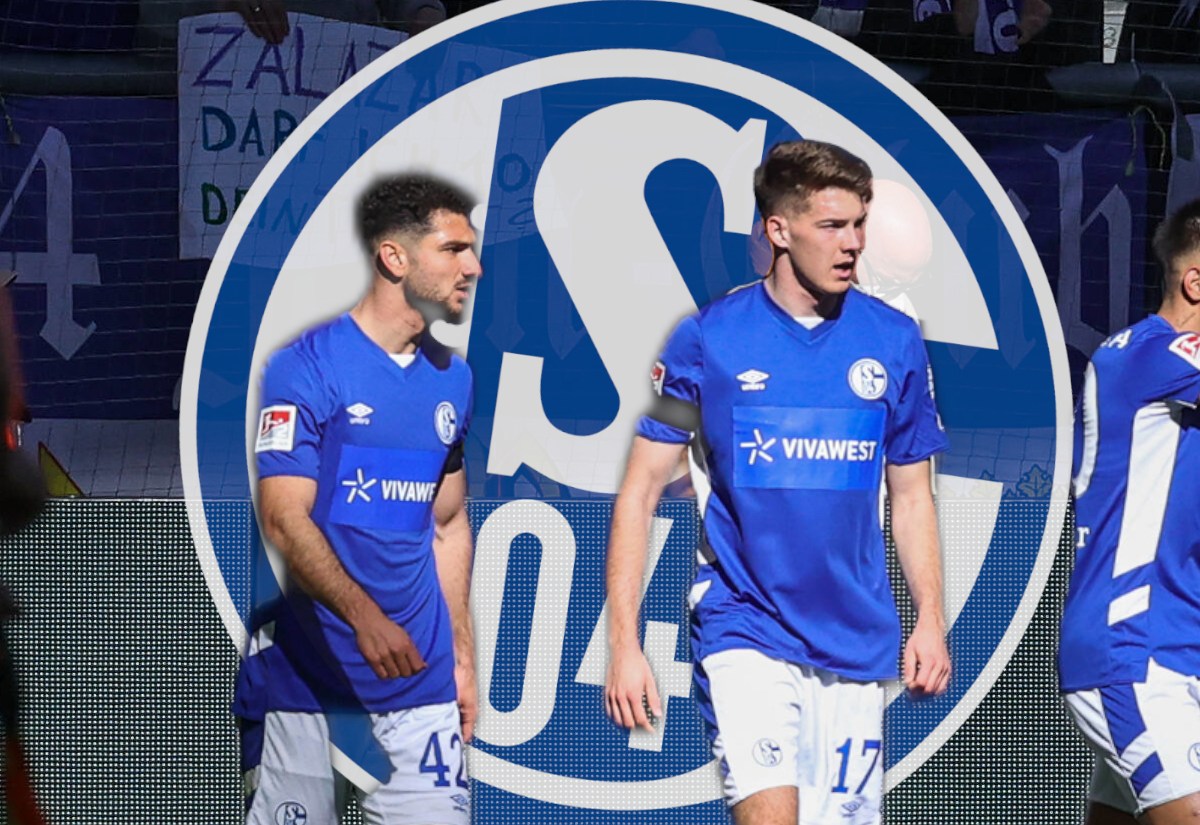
x=1135, y=589
x=375, y=437
x=796, y=426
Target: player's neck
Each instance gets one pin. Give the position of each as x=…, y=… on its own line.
x=389, y=321
x=1182, y=315
x=1181, y=297
x=797, y=299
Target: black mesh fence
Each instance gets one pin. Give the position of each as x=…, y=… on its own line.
x=126, y=675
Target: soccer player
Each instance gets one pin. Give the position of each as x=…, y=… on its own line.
x=362, y=489
x=802, y=393
x=1129, y=657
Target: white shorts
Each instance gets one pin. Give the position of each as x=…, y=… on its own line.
x=1146, y=737
x=294, y=782
x=775, y=724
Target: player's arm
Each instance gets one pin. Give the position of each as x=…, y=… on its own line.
x=285, y=504
x=651, y=464
x=914, y=527
x=453, y=551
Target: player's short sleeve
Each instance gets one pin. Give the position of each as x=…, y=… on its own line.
x=292, y=415
x=915, y=430
x=674, y=414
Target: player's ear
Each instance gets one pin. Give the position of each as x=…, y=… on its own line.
x=392, y=260
x=1191, y=283
x=776, y=230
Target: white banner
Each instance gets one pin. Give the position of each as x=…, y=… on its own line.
x=239, y=99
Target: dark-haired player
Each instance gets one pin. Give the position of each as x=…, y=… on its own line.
x=803, y=393
x=1129, y=660
x=361, y=488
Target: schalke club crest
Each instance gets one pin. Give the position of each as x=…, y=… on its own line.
x=611, y=146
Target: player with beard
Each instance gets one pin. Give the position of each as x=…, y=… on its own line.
x=361, y=487
x=802, y=394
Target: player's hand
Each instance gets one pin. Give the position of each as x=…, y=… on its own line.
x=468, y=699
x=388, y=648
x=926, y=660
x=266, y=19
x=629, y=688
x=1035, y=16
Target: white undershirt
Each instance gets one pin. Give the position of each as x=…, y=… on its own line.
x=808, y=321
x=403, y=359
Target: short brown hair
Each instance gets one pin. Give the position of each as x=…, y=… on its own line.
x=1178, y=236
x=795, y=170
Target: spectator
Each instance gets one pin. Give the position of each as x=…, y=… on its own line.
x=158, y=20
x=268, y=18
x=1005, y=47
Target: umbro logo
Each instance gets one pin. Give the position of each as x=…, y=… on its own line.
x=753, y=380
x=359, y=413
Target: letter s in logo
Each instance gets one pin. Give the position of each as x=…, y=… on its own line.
x=591, y=211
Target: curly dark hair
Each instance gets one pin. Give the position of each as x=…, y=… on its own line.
x=796, y=169
x=405, y=204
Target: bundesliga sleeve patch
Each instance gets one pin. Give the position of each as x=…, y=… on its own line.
x=276, y=428
x=1187, y=347
x=657, y=375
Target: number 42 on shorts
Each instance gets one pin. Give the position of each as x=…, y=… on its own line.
x=432, y=762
